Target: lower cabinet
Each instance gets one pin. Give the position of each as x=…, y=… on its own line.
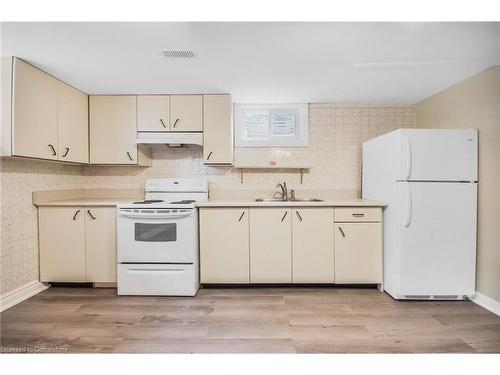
x=291, y=245
x=100, y=244
x=270, y=244
x=358, y=253
x=224, y=246
x=77, y=244
x=312, y=245
x=62, y=244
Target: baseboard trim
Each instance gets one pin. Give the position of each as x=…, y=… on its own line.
x=486, y=302
x=20, y=294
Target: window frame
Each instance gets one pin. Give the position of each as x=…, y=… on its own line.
x=302, y=126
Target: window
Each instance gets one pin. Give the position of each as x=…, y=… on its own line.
x=271, y=125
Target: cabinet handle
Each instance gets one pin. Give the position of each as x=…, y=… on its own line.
x=298, y=215
x=165, y=126
x=358, y=215
x=90, y=214
x=54, y=153
x=76, y=214
x=210, y=154
x=175, y=123
x=66, y=152
x=130, y=156
x=241, y=216
x=283, y=218
x=341, y=232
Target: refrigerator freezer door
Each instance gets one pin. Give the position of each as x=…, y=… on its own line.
x=438, y=155
x=437, y=238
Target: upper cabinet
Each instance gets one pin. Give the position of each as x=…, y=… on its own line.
x=217, y=130
x=34, y=112
x=49, y=119
x=170, y=113
x=53, y=121
x=153, y=113
x=113, y=131
x=186, y=113
x=73, y=124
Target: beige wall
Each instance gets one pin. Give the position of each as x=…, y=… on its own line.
x=336, y=134
x=475, y=103
x=19, y=226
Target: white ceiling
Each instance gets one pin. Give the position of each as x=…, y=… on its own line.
x=261, y=62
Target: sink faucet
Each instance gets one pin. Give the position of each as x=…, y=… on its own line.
x=284, y=191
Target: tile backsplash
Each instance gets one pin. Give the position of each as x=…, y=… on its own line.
x=336, y=133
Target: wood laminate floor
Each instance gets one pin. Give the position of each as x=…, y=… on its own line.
x=247, y=320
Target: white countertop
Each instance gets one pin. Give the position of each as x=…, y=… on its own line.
x=222, y=203
x=325, y=203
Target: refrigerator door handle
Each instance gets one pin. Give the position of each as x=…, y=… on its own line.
x=407, y=144
x=407, y=219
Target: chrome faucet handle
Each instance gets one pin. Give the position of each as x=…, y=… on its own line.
x=292, y=194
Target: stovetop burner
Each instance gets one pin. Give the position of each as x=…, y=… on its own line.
x=184, y=201
x=149, y=201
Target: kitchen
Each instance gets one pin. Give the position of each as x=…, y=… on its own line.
x=167, y=213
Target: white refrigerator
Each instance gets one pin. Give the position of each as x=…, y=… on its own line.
x=428, y=178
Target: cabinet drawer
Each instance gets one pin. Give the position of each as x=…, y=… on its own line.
x=157, y=279
x=358, y=214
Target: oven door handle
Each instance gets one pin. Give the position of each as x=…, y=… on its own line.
x=156, y=271
x=137, y=215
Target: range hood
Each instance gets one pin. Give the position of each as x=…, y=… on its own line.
x=170, y=138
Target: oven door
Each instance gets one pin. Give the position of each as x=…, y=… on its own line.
x=157, y=235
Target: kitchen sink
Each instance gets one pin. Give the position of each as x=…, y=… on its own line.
x=288, y=200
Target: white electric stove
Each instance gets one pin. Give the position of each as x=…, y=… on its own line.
x=157, y=239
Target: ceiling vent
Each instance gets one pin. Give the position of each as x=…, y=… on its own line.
x=178, y=54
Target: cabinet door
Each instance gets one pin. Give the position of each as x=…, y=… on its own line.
x=186, y=113
x=217, y=130
x=73, y=124
x=100, y=244
x=358, y=253
x=34, y=113
x=113, y=129
x=270, y=245
x=224, y=248
x=62, y=244
x=153, y=113
x=312, y=245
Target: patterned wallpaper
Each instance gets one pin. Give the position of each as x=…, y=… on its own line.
x=19, y=226
x=336, y=133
